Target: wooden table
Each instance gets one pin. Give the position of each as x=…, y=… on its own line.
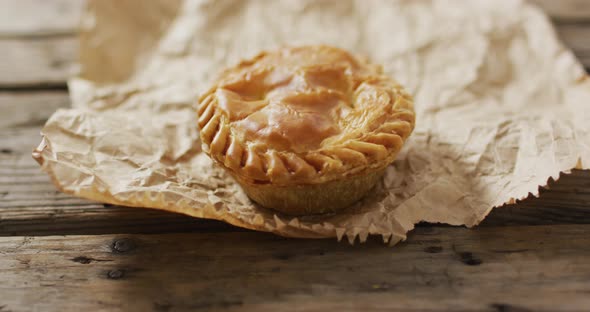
x=59, y=253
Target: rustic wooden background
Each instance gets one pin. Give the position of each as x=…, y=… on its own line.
x=60, y=253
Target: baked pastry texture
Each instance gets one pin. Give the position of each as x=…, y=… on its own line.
x=305, y=130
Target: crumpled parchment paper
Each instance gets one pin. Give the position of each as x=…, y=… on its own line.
x=501, y=105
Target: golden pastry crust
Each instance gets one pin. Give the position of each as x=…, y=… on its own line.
x=304, y=115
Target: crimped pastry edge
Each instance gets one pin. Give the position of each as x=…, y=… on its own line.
x=377, y=148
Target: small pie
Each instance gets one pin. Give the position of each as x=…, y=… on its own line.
x=305, y=130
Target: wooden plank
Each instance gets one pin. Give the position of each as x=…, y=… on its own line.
x=25, y=18
x=438, y=269
x=93, y=218
x=577, y=37
x=564, y=201
x=30, y=109
x=568, y=10
x=33, y=62
x=30, y=205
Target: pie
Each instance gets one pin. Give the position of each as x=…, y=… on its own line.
x=305, y=130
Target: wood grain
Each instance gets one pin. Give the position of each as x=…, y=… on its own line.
x=564, y=201
x=37, y=62
x=30, y=109
x=437, y=269
x=577, y=37
x=28, y=18
x=494, y=267
x=568, y=10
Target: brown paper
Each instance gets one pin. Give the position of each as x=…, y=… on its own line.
x=501, y=105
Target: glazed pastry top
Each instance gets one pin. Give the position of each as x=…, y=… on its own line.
x=304, y=115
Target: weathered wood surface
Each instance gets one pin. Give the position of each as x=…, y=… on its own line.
x=34, y=18
x=566, y=10
x=576, y=36
x=29, y=109
x=437, y=269
x=495, y=267
x=39, y=36
x=37, y=62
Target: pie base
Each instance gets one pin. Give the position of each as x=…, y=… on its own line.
x=297, y=200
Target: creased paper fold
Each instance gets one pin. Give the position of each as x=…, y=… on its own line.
x=501, y=106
